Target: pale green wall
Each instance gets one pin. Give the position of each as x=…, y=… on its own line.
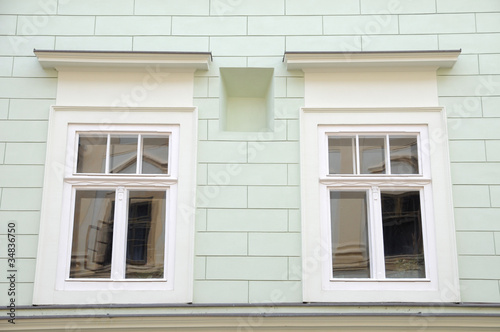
x=248, y=223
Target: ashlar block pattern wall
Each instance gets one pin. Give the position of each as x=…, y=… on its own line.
x=248, y=241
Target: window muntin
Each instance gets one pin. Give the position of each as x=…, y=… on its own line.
x=373, y=154
x=122, y=153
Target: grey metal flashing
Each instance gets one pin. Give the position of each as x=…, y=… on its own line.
x=370, y=59
x=123, y=52
x=263, y=314
x=267, y=305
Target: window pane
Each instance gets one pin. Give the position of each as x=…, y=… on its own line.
x=146, y=234
x=404, y=154
x=341, y=155
x=402, y=227
x=92, y=234
x=91, y=154
x=371, y=154
x=155, y=155
x=349, y=224
x=123, y=154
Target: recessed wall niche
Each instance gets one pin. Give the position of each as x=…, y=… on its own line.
x=246, y=99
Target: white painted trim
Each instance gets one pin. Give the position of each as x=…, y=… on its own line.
x=321, y=61
x=82, y=60
x=181, y=184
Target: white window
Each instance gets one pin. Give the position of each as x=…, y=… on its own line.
x=375, y=183
x=118, y=208
x=377, y=211
x=117, y=221
x=376, y=206
x=119, y=191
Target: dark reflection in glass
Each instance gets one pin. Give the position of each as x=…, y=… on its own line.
x=91, y=153
x=371, y=154
x=146, y=235
x=404, y=154
x=123, y=154
x=92, y=234
x=155, y=155
x=341, y=155
x=349, y=224
x=402, y=227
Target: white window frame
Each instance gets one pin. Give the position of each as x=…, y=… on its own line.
x=433, y=182
x=52, y=282
x=121, y=184
x=373, y=184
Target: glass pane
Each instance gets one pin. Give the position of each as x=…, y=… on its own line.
x=123, y=154
x=404, y=154
x=371, y=154
x=155, y=155
x=402, y=226
x=341, y=155
x=349, y=222
x=146, y=234
x=91, y=153
x=92, y=234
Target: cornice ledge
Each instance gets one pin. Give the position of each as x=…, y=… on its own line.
x=163, y=109
x=352, y=60
x=371, y=109
x=99, y=59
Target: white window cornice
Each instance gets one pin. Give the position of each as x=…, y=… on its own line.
x=311, y=61
x=61, y=60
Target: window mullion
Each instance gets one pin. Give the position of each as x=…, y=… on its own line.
x=108, y=151
x=139, y=154
x=357, y=163
x=119, y=235
x=387, y=155
x=377, y=235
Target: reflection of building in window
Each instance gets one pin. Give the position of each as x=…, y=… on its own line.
x=369, y=154
x=402, y=228
x=92, y=234
x=349, y=223
x=120, y=153
x=139, y=223
x=145, y=235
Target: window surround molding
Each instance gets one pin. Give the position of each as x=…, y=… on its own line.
x=50, y=286
x=384, y=90
x=131, y=91
x=442, y=284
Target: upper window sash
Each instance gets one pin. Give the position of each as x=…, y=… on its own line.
x=111, y=137
x=122, y=153
x=355, y=139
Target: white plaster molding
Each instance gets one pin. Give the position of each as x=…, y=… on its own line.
x=62, y=60
x=311, y=61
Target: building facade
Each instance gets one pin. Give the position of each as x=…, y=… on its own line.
x=250, y=165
